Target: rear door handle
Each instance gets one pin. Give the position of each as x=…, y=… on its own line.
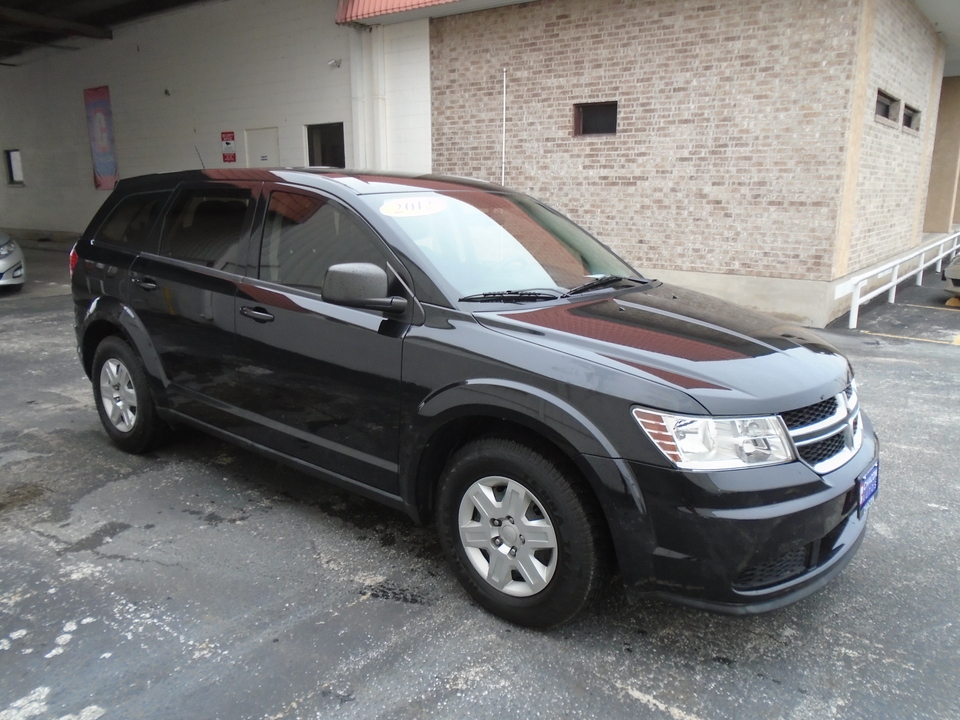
x=257, y=313
x=145, y=283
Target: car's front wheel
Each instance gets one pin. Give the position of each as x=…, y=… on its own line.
x=123, y=398
x=522, y=531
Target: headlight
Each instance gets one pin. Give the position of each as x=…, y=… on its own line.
x=6, y=248
x=707, y=443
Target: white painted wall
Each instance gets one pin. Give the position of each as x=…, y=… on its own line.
x=406, y=48
x=390, y=69
x=179, y=79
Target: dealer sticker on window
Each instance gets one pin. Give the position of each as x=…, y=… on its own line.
x=868, y=487
x=412, y=207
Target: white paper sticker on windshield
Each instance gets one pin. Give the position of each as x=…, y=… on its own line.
x=412, y=207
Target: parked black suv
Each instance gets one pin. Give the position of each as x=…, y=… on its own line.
x=469, y=356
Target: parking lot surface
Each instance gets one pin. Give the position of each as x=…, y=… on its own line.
x=199, y=581
x=925, y=313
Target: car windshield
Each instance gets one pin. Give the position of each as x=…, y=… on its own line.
x=482, y=242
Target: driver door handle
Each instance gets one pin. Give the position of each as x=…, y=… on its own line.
x=145, y=283
x=256, y=313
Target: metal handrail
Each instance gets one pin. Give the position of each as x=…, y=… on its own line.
x=854, y=286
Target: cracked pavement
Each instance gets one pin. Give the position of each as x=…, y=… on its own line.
x=200, y=581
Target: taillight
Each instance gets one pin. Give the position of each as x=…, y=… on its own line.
x=74, y=258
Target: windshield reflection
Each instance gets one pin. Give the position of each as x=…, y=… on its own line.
x=481, y=242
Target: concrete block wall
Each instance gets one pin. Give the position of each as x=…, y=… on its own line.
x=176, y=80
x=408, y=120
x=390, y=75
x=729, y=154
x=905, y=62
x=179, y=79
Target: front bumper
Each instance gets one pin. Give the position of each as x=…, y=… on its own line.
x=742, y=541
x=12, y=271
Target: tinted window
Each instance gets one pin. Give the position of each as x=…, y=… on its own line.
x=205, y=226
x=303, y=235
x=130, y=222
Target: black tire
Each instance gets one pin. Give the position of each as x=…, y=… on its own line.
x=528, y=584
x=128, y=415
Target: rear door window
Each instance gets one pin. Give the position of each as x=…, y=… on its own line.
x=205, y=227
x=131, y=221
x=303, y=235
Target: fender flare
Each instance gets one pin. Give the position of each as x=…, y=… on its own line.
x=553, y=418
x=128, y=325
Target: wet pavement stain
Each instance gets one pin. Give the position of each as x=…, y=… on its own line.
x=97, y=538
x=387, y=591
x=19, y=495
x=214, y=519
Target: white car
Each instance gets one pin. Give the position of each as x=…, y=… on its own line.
x=12, y=273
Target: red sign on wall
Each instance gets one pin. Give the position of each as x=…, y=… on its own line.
x=228, y=146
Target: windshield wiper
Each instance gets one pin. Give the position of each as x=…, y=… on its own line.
x=602, y=281
x=511, y=296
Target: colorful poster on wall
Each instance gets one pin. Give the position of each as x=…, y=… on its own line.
x=100, y=127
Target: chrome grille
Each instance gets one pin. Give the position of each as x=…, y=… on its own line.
x=828, y=433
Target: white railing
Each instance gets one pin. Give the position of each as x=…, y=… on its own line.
x=945, y=246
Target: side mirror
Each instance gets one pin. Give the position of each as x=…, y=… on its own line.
x=360, y=285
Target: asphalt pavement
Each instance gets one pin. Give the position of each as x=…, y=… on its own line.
x=200, y=581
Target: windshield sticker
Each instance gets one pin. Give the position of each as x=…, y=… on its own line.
x=413, y=207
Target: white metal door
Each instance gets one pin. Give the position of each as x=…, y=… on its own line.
x=263, y=147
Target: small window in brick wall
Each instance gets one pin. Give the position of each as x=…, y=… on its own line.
x=888, y=107
x=911, y=118
x=595, y=118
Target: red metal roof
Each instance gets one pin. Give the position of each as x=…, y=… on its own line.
x=355, y=10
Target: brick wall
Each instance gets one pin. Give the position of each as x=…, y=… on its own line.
x=729, y=153
x=895, y=164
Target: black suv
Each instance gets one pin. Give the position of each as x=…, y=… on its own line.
x=469, y=356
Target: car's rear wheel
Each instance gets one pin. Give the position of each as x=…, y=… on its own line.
x=123, y=397
x=521, y=530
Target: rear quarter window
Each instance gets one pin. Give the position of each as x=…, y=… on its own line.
x=130, y=223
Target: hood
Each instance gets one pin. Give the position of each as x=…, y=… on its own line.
x=731, y=360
